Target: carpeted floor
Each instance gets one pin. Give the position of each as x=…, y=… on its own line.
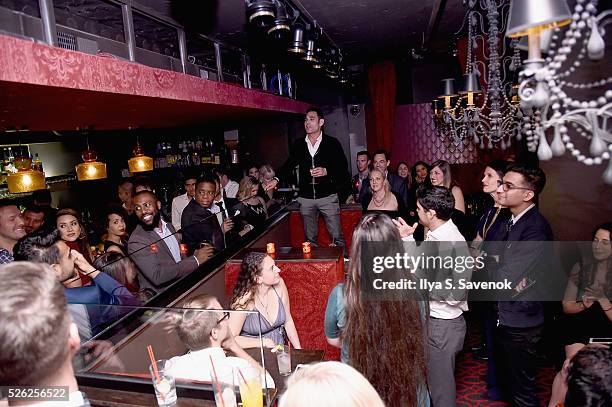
x=470, y=377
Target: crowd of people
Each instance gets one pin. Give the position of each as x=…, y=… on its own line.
x=397, y=351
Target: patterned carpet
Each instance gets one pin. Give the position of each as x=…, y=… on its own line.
x=470, y=376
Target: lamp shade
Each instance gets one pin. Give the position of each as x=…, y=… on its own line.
x=25, y=179
x=140, y=162
x=470, y=84
x=448, y=88
x=91, y=169
x=529, y=15
x=297, y=41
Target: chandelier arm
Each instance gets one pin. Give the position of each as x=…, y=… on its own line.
x=604, y=14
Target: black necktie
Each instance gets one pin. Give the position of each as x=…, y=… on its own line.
x=220, y=205
x=510, y=224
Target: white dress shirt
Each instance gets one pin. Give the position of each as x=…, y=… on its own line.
x=447, y=232
x=231, y=189
x=178, y=205
x=313, y=149
x=170, y=240
x=516, y=218
x=196, y=365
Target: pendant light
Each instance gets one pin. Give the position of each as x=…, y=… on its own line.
x=90, y=169
x=261, y=12
x=140, y=162
x=297, y=40
x=280, y=29
x=25, y=179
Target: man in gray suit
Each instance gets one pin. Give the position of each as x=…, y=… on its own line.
x=381, y=161
x=155, y=247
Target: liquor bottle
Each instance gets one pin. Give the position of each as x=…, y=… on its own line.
x=38, y=166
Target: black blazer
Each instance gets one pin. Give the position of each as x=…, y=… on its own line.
x=519, y=260
x=199, y=224
x=330, y=156
x=365, y=188
x=399, y=186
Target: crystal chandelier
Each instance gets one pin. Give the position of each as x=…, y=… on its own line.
x=545, y=83
x=496, y=120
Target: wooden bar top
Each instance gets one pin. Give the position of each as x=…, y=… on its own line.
x=292, y=254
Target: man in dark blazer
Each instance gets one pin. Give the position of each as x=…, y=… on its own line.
x=225, y=208
x=524, y=257
x=155, y=247
x=198, y=223
x=361, y=181
x=381, y=161
x=323, y=178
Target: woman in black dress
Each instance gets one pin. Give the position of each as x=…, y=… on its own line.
x=115, y=231
x=380, y=198
x=588, y=294
x=252, y=206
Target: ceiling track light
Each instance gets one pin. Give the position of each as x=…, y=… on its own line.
x=297, y=40
x=280, y=27
x=310, y=51
x=261, y=12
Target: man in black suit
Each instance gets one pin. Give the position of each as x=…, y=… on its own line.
x=225, y=209
x=199, y=223
x=521, y=315
x=361, y=180
x=381, y=161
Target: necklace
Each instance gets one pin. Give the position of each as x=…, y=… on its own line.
x=265, y=306
x=487, y=226
x=378, y=202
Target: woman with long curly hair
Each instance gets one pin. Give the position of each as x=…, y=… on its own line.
x=260, y=288
x=382, y=339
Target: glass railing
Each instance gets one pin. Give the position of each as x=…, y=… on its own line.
x=193, y=349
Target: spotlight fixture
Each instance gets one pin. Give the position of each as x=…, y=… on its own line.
x=320, y=56
x=310, y=51
x=260, y=12
x=280, y=27
x=297, y=40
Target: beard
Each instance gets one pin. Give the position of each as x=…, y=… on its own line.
x=153, y=225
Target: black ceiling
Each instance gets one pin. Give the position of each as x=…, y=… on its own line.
x=365, y=30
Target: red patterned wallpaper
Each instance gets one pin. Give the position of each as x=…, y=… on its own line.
x=415, y=139
x=32, y=75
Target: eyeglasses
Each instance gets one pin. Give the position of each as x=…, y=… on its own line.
x=225, y=316
x=146, y=205
x=209, y=193
x=507, y=186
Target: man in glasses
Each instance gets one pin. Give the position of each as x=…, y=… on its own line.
x=521, y=316
x=204, y=329
x=199, y=223
x=155, y=247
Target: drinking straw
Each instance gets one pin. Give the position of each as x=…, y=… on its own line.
x=154, y=364
x=244, y=380
x=152, y=356
x=217, y=381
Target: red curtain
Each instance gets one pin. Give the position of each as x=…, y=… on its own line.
x=380, y=112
